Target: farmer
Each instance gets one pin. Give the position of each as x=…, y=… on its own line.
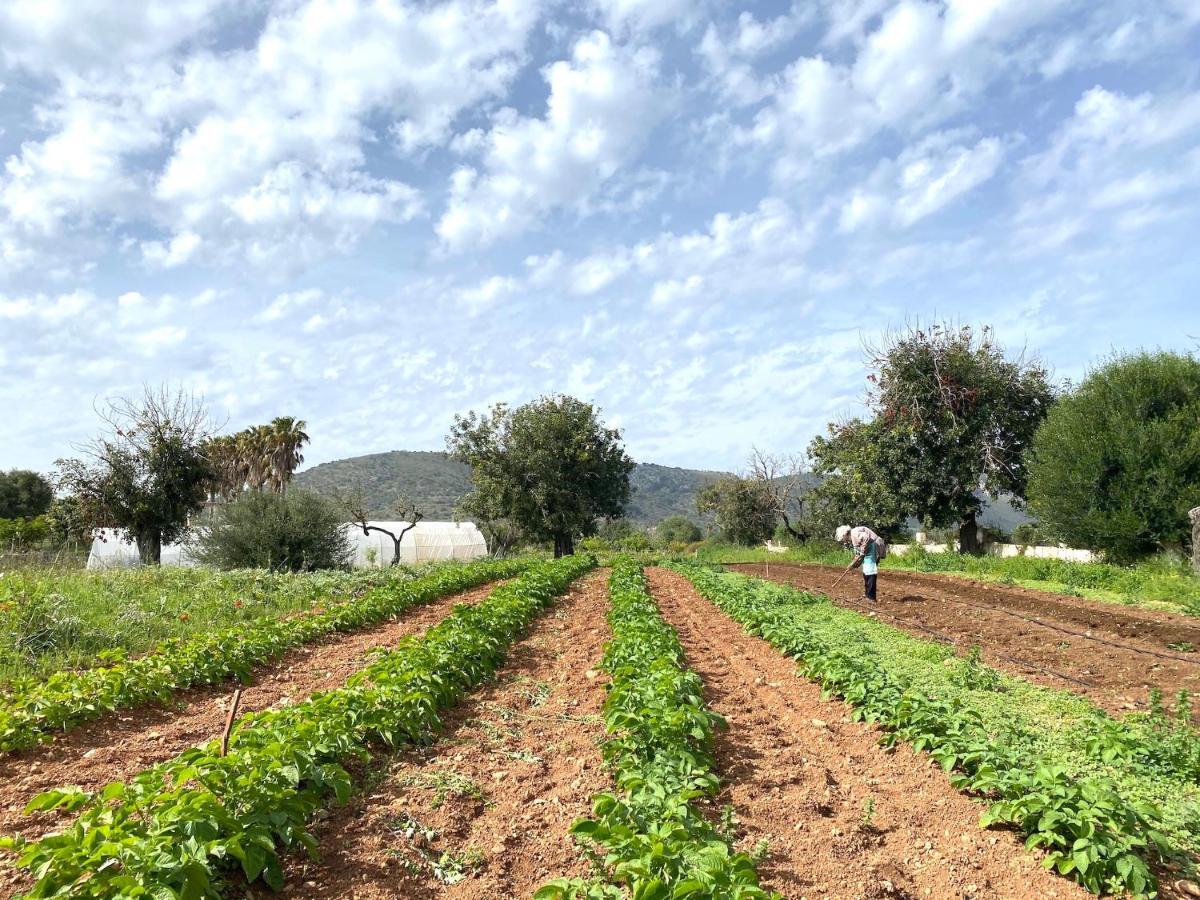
x=866, y=545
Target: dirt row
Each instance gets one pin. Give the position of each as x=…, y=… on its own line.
x=836, y=815
x=486, y=811
x=1116, y=655
x=116, y=747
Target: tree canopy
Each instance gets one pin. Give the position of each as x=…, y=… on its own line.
x=550, y=467
x=953, y=416
x=24, y=494
x=1116, y=464
x=294, y=532
x=745, y=510
x=678, y=530
x=148, y=474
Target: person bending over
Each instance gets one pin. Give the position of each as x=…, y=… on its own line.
x=866, y=545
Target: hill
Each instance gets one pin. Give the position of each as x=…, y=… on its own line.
x=437, y=483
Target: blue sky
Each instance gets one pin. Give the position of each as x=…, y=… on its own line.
x=374, y=215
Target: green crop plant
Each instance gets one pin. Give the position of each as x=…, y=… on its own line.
x=648, y=837
x=1105, y=799
x=177, y=829
x=32, y=709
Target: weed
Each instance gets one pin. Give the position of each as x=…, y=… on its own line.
x=445, y=785
x=868, y=813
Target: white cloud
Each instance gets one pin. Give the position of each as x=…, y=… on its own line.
x=288, y=303
x=175, y=252
x=601, y=107
x=921, y=181
x=487, y=294
x=162, y=338
x=644, y=15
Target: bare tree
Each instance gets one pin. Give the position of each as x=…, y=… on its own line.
x=783, y=479
x=406, y=509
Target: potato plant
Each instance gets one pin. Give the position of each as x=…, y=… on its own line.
x=32, y=709
x=177, y=829
x=1087, y=830
x=649, y=836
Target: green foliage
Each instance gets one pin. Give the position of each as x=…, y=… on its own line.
x=133, y=610
x=24, y=494
x=181, y=828
x=1038, y=755
x=19, y=534
x=745, y=512
x=1116, y=465
x=31, y=709
x=550, y=467
x=678, y=530
x=953, y=415
x=293, y=532
x=857, y=464
x=652, y=837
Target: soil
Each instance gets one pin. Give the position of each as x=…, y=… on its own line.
x=838, y=815
x=968, y=612
x=486, y=811
x=118, y=746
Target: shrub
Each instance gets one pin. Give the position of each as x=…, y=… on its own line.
x=296, y=532
x=678, y=530
x=1116, y=464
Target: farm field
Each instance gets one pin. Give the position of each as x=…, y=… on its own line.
x=651, y=718
x=1111, y=654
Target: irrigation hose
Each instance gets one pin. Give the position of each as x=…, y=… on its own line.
x=1058, y=628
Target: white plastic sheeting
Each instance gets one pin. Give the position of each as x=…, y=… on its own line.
x=112, y=549
x=428, y=541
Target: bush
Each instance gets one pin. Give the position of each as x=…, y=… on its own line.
x=1116, y=464
x=678, y=530
x=294, y=532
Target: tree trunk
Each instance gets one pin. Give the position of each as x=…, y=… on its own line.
x=968, y=536
x=1195, y=517
x=564, y=545
x=798, y=535
x=149, y=546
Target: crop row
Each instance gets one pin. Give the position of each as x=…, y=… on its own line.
x=649, y=836
x=175, y=830
x=1086, y=829
x=31, y=710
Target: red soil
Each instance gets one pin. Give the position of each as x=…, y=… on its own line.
x=490, y=804
x=840, y=816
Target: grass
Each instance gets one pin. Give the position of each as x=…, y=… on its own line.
x=56, y=619
x=1156, y=583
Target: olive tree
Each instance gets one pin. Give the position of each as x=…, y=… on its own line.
x=550, y=467
x=1116, y=465
x=744, y=510
x=148, y=474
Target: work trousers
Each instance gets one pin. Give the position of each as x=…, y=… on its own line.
x=869, y=586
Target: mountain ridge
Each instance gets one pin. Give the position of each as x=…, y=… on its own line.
x=437, y=483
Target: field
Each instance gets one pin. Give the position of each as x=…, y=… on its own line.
x=560, y=730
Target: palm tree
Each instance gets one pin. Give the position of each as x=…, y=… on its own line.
x=287, y=440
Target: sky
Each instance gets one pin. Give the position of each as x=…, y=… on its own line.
x=376, y=215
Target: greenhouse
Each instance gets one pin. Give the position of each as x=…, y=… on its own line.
x=428, y=541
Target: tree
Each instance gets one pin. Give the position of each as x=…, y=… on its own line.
x=744, y=510
x=1116, y=465
x=856, y=465
x=404, y=508
x=296, y=532
x=550, y=466
x=24, y=494
x=1194, y=515
x=956, y=415
x=286, y=440
x=256, y=458
x=783, y=479
x=678, y=530
x=148, y=474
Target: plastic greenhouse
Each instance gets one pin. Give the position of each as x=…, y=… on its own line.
x=112, y=549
